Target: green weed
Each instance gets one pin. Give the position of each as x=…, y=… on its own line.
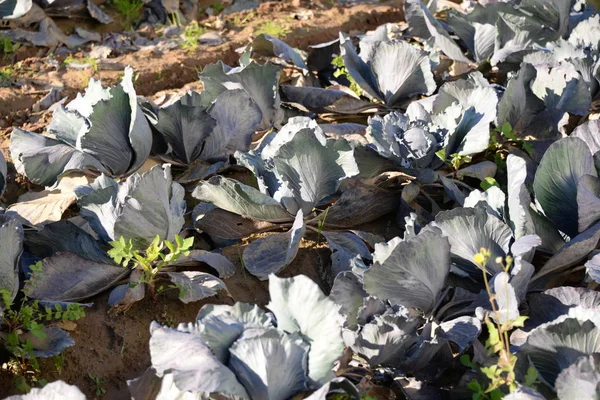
x=191, y=34
x=97, y=385
x=7, y=47
x=341, y=70
x=129, y=11
x=500, y=374
x=272, y=28
x=218, y=7
x=26, y=320
x=92, y=62
x=151, y=260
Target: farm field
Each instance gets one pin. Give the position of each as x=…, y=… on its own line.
x=299, y=199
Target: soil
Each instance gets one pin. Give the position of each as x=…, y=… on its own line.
x=114, y=347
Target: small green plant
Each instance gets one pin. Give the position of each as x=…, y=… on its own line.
x=241, y=20
x=129, y=11
x=59, y=363
x=92, y=62
x=321, y=224
x=456, y=160
x=191, y=35
x=151, y=260
x=175, y=19
x=272, y=28
x=488, y=182
x=218, y=7
x=341, y=70
x=24, y=321
x=7, y=47
x=6, y=74
x=97, y=385
x=341, y=396
x=507, y=131
x=499, y=139
x=501, y=376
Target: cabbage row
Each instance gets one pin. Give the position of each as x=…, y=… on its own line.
x=472, y=139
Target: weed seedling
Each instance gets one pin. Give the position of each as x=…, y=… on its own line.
x=59, y=363
x=218, y=7
x=92, y=62
x=24, y=322
x=6, y=75
x=191, y=35
x=341, y=70
x=129, y=11
x=272, y=28
x=321, y=225
x=501, y=375
x=97, y=385
x=241, y=20
x=151, y=260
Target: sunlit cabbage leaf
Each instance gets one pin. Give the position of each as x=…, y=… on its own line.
x=186, y=130
x=539, y=98
x=139, y=208
x=260, y=82
x=103, y=131
x=240, y=351
x=388, y=71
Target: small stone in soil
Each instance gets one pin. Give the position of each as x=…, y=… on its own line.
x=211, y=39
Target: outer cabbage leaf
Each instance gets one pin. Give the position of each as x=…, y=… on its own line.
x=563, y=165
x=389, y=71
x=220, y=326
x=418, y=14
x=470, y=229
x=557, y=345
x=57, y=390
x=191, y=363
x=478, y=29
x=68, y=277
x=589, y=132
x=268, y=255
x=413, y=274
x=240, y=199
x=581, y=380
x=299, y=306
x=44, y=159
x=588, y=201
x=519, y=198
x=11, y=248
x=11, y=9
x=53, y=342
x=386, y=340
x=103, y=130
x=538, y=98
x=139, y=209
x=261, y=82
x=576, y=250
x=477, y=101
x=348, y=293
x=321, y=100
x=270, y=364
x=313, y=168
x=65, y=236
x=345, y=246
x=3, y=174
x=336, y=386
x=196, y=285
x=270, y=46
